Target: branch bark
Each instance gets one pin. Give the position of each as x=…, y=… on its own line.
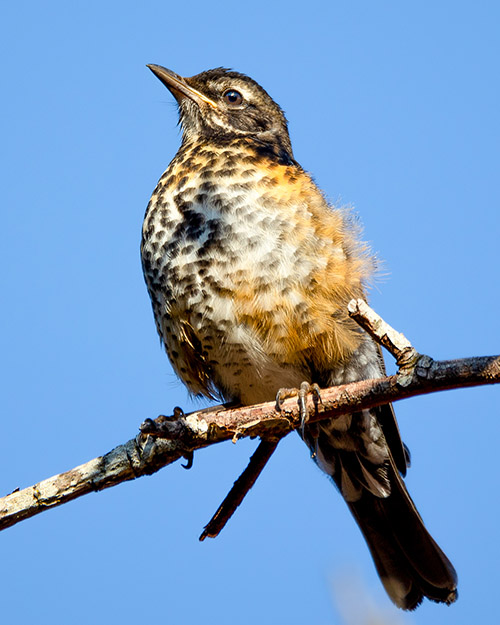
x=166, y=439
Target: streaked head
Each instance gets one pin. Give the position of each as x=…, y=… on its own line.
x=223, y=103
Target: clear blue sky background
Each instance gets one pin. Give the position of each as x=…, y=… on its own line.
x=394, y=107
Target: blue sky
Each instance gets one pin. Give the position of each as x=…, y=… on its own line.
x=394, y=109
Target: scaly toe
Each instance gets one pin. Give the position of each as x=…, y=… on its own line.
x=284, y=393
x=305, y=389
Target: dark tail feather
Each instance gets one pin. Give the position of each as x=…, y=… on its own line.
x=408, y=560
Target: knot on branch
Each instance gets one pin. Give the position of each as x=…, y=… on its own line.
x=412, y=364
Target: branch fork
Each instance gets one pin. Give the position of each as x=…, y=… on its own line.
x=410, y=364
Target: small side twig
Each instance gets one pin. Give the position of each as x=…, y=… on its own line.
x=240, y=488
x=395, y=342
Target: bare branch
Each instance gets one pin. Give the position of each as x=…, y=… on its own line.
x=166, y=439
x=396, y=343
x=240, y=488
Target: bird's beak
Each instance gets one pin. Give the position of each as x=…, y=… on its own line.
x=179, y=87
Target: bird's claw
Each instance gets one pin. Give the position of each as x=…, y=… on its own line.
x=302, y=392
x=282, y=394
x=189, y=457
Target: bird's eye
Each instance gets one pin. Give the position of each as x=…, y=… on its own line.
x=232, y=97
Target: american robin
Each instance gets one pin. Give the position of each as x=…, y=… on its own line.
x=250, y=270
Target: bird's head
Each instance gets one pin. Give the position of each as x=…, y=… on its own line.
x=220, y=103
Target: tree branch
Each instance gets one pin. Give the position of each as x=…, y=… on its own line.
x=240, y=488
x=395, y=342
x=166, y=439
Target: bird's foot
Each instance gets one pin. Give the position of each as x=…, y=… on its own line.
x=169, y=428
x=302, y=392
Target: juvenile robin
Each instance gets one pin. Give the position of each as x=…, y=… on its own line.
x=250, y=271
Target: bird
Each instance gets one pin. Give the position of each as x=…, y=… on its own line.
x=250, y=269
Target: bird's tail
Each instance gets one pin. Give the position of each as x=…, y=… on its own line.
x=408, y=560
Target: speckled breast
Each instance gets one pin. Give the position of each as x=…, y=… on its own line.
x=232, y=253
